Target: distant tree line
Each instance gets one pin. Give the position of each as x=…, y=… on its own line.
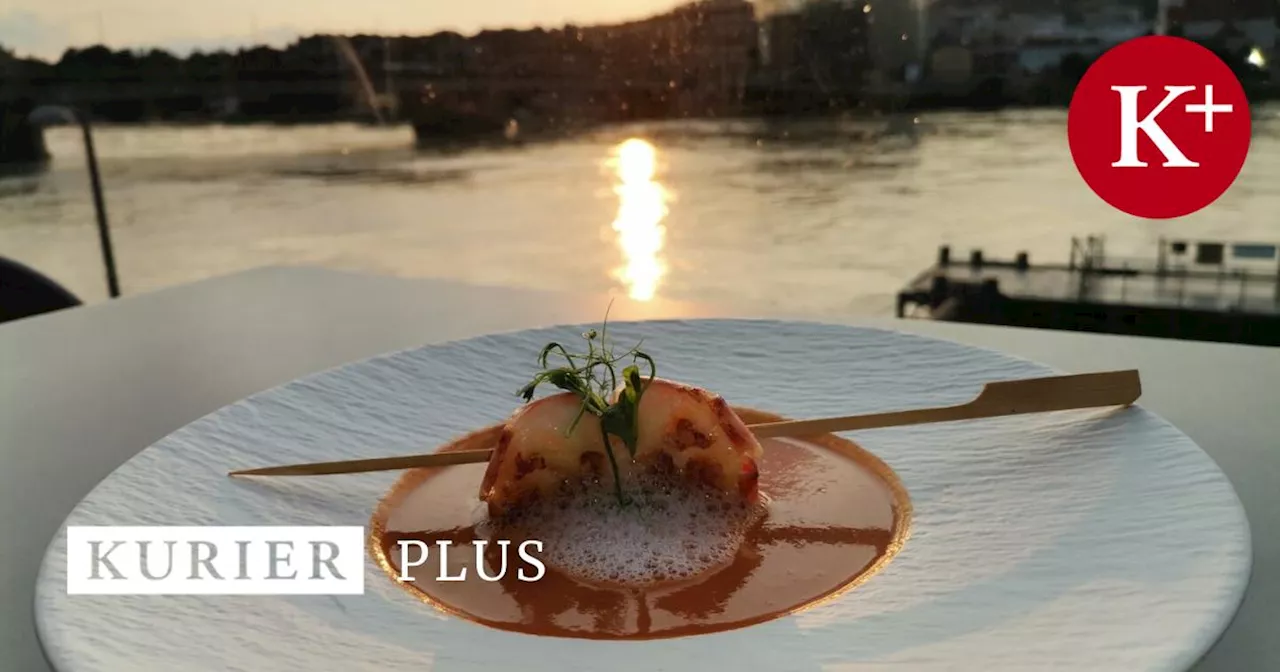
x=309, y=56
x=488, y=53
x=323, y=69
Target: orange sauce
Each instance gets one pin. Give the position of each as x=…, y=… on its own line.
x=836, y=514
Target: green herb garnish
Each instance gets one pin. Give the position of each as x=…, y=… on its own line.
x=593, y=376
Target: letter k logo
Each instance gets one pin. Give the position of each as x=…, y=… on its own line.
x=1129, y=127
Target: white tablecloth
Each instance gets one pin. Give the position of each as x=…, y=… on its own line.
x=83, y=390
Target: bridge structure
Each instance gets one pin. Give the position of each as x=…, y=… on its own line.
x=294, y=99
x=409, y=95
x=405, y=82
x=91, y=92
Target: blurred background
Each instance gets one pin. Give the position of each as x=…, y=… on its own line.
x=800, y=156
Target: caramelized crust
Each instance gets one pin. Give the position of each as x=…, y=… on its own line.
x=536, y=453
x=696, y=433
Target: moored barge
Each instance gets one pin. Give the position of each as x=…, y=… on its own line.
x=1193, y=290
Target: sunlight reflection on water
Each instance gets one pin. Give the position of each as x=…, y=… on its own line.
x=642, y=205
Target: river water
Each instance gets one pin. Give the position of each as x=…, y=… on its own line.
x=812, y=217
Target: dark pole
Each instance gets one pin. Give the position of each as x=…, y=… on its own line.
x=104, y=232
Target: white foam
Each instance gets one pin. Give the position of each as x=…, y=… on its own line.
x=667, y=532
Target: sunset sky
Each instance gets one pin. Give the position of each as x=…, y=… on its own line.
x=44, y=29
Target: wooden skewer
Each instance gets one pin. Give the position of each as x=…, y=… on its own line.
x=1013, y=397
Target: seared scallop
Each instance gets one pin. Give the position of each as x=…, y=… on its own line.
x=683, y=430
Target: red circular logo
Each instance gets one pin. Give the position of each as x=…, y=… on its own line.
x=1159, y=127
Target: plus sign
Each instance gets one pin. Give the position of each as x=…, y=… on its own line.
x=1208, y=109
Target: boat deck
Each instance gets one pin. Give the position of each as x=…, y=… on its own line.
x=1205, y=299
x=1173, y=288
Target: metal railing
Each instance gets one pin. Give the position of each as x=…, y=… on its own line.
x=1175, y=263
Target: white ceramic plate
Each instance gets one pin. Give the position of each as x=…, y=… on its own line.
x=1079, y=540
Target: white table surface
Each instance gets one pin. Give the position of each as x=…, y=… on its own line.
x=81, y=391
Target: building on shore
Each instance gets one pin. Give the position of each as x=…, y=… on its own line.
x=1243, y=29
x=1023, y=51
x=724, y=52
x=898, y=42
x=818, y=56
x=699, y=56
x=838, y=53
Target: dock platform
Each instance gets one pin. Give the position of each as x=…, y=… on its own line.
x=1222, y=292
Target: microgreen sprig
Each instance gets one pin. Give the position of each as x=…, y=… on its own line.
x=593, y=376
